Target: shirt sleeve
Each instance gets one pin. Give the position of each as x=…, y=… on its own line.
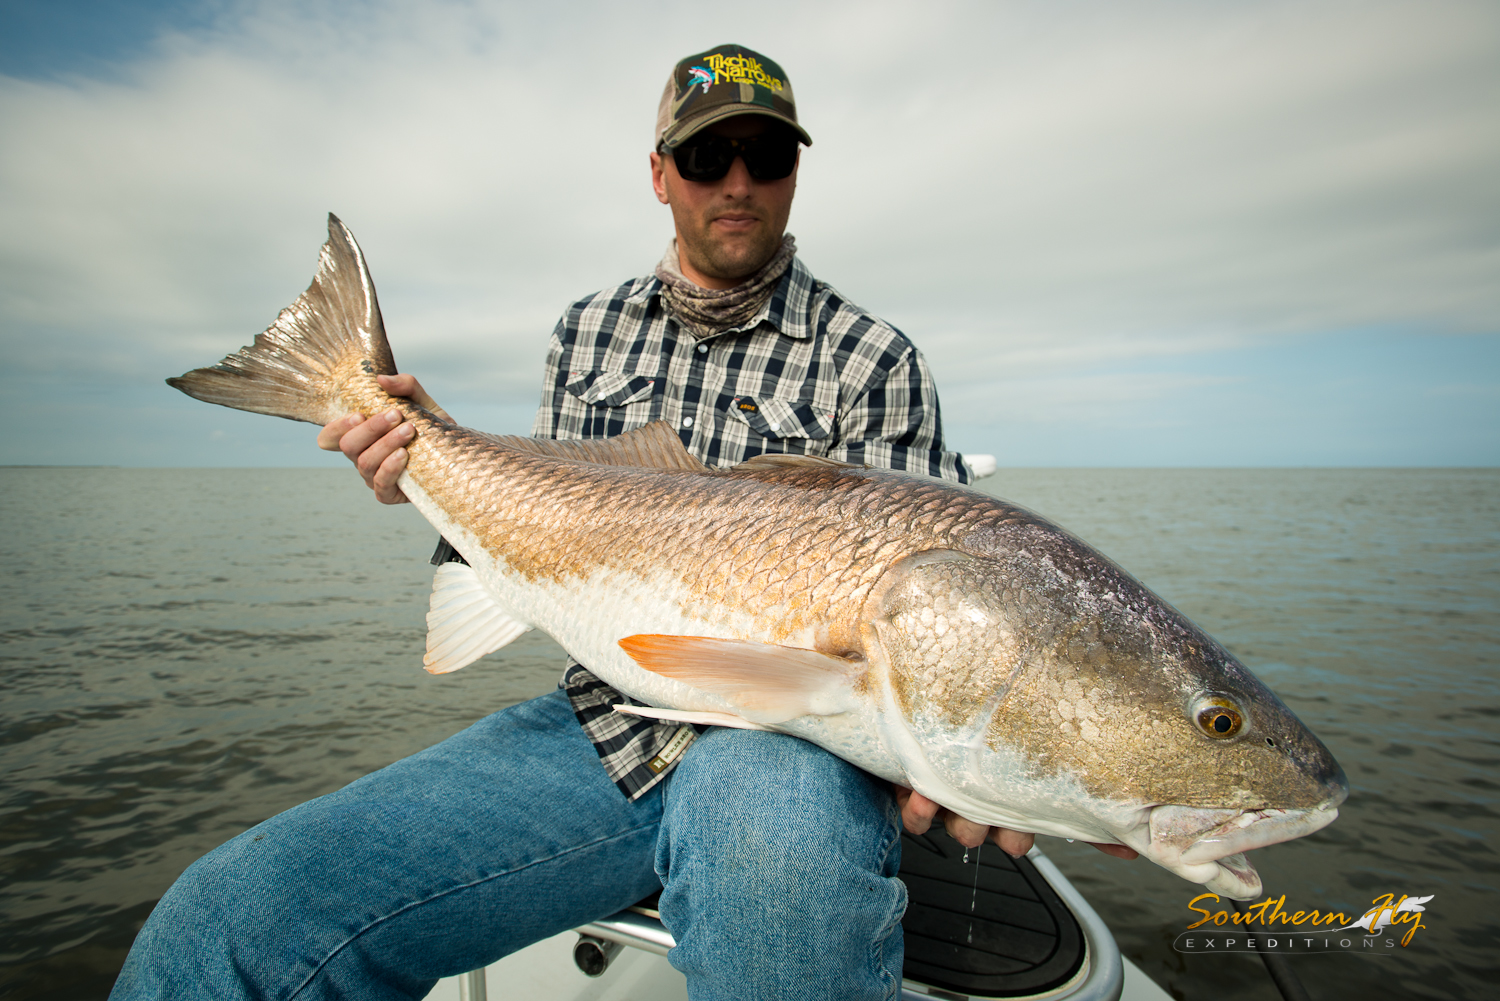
x=896, y=423
x=554, y=376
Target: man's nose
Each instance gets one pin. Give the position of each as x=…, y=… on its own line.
x=737, y=182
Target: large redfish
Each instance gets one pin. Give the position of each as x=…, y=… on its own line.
x=930, y=634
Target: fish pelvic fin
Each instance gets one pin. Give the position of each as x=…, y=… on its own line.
x=763, y=682
x=463, y=622
x=654, y=446
x=296, y=368
x=687, y=716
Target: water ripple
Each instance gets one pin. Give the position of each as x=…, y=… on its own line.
x=204, y=648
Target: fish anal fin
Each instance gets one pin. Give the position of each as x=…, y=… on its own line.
x=463, y=621
x=654, y=446
x=764, y=682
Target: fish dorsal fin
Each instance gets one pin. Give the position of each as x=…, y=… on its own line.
x=764, y=683
x=463, y=622
x=655, y=446
x=783, y=460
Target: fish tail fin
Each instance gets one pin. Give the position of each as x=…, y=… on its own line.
x=299, y=366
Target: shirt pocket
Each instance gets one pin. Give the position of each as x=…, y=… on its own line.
x=609, y=389
x=778, y=419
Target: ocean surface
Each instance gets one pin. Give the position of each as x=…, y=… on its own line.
x=186, y=652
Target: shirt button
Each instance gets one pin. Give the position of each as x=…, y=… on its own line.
x=775, y=427
x=687, y=422
x=703, y=349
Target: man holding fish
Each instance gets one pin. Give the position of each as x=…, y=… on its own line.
x=776, y=859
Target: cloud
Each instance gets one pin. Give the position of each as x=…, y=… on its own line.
x=1045, y=196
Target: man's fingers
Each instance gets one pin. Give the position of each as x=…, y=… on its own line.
x=399, y=385
x=359, y=439
x=384, y=481
x=408, y=386
x=333, y=432
x=1013, y=843
x=965, y=832
x=377, y=445
x=1118, y=851
x=917, y=813
x=917, y=810
x=370, y=444
x=375, y=462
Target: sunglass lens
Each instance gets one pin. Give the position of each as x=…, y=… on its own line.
x=771, y=157
x=704, y=161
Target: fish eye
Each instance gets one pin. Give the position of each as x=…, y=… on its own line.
x=1220, y=721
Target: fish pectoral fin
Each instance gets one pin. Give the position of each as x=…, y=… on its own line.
x=463, y=622
x=687, y=716
x=765, y=683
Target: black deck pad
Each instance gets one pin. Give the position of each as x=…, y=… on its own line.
x=989, y=928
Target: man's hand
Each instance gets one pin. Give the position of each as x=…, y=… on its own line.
x=918, y=813
x=377, y=445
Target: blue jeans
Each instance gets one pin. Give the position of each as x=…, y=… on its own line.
x=777, y=863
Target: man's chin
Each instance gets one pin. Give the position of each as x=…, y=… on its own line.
x=734, y=263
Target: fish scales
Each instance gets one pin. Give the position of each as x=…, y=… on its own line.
x=928, y=633
x=557, y=521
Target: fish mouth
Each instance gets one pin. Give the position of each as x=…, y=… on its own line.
x=1208, y=845
x=1194, y=835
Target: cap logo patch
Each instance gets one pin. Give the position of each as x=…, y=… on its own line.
x=738, y=69
x=698, y=74
x=725, y=81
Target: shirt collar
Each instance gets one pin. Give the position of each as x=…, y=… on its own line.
x=788, y=309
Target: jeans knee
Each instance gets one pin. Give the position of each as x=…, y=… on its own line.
x=193, y=936
x=209, y=890
x=763, y=791
x=779, y=860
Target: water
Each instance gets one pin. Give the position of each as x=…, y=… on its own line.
x=185, y=652
x=973, y=893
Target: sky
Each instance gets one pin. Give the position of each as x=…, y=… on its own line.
x=1199, y=233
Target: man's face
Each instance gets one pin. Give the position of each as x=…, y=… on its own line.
x=729, y=228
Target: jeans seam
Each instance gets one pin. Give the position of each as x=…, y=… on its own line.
x=453, y=889
x=894, y=923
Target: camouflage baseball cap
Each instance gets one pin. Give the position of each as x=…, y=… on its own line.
x=725, y=81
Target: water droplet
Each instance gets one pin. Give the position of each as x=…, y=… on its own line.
x=974, y=895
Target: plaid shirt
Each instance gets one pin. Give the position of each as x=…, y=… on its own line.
x=811, y=373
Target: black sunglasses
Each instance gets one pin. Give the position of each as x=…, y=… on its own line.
x=769, y=156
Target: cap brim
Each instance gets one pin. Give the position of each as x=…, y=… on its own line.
x=682, y=130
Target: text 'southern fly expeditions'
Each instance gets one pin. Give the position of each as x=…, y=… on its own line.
x=1269, y=925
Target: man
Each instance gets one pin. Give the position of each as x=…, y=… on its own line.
x=776, y=860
